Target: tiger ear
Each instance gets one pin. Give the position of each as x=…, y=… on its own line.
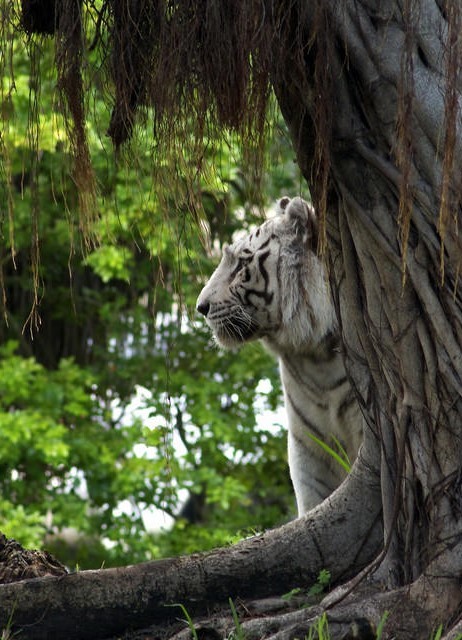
x=227, y=253
x=282, y=203
x=302, y=216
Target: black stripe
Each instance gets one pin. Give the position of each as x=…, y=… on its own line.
x=267, y=297
x=330, y=386
x=312, y=385
x=322, y=482
x=265, y=244
x=261, y=261
x=346, y=404
x=306, y=422
x=328, y=487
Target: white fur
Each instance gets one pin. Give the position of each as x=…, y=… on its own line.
x=271, y=285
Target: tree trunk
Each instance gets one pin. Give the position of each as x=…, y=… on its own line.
x=370, y=91
x=395, y=256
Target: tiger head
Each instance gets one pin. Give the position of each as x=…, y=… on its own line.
x=270, y=284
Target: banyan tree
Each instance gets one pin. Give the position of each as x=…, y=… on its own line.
x=371, y=93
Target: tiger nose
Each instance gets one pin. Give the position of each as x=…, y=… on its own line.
x=204, y=308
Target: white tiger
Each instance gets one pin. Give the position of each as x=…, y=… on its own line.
x=270, y=285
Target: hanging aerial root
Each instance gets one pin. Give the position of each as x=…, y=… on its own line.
x=69, y=60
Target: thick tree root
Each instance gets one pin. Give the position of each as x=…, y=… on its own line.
x=413, y=612
x=17, y=563
x=343, y=535
x=455, y=633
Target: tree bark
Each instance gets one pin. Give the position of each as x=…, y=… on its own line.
x=395, y=255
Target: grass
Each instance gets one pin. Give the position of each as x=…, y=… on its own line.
x=339, y=456
x=188, y=619
x=317, y=631
x=381, y=625
x=239, y=633
x=320, y=629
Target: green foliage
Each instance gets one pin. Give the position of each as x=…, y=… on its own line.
x=438, y=634
x=320, y=630
x=188, y=619
x=113, y=401
x=322, y=583
x=337, y=452
x=238, y=633
x=292, y=593
x=317, y=589
x=381, y=625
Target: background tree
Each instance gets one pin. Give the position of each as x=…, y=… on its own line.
x=371, y=96
x=113, y=402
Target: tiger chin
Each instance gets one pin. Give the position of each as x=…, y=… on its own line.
x=270, y=285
